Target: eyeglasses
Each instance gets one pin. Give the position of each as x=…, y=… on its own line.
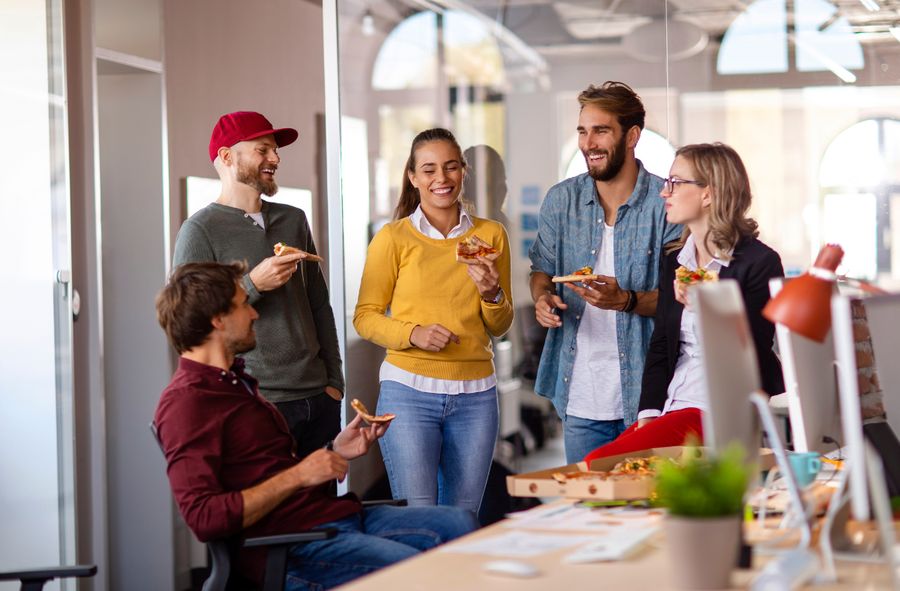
x=672, y=183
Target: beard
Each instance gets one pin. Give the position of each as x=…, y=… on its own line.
x=242, y=345
x=615, y=160
x=253, y=177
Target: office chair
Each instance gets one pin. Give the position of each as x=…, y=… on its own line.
x=220, y=551
x=34, y=580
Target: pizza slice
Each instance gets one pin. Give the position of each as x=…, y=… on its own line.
x=469, y=249
x=688, y=277
x=282, y=249
x=583, y=274
x=362, y=411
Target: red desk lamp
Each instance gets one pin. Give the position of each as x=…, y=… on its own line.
x=804, y=304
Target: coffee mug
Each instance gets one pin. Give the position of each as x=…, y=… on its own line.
x=805, y=466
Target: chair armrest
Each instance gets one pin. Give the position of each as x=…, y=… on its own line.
x=391, y=502
x=49, y=573
x=307, y=536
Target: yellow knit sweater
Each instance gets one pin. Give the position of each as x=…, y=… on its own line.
x=411, y=279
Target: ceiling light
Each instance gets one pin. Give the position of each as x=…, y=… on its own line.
x=836, y=68
x=368, y=24
x=872, y=5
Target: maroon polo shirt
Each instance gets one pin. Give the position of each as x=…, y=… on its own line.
x=219, y=438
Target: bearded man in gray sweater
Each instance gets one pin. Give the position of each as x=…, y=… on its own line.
x=297, y=361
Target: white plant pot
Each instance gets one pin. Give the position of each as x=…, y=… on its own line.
x=703, y=550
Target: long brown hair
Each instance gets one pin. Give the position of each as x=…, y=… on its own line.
x=409, y=195
x=719, y=167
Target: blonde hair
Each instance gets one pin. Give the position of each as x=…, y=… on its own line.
x=719, y=167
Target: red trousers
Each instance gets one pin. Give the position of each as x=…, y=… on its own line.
x=670, y=429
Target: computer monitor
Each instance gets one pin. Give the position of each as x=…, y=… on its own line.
x=730, y=365
x=883, y=313
x=811, y=385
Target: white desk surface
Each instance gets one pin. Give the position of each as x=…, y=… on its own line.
x=646, y=570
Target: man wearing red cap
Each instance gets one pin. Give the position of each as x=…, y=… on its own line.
x=297, y=361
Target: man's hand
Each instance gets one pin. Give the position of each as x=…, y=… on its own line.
x=433, y=337
x=486, y=277
x=604, y=293
x=544, y=308
x=645, y=422
x=320, y=466
x=274, y=271
x=334, y=393
x=357, y=437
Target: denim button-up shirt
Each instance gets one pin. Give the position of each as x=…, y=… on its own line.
x=569, y=237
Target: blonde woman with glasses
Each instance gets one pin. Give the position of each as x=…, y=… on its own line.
x=707, y=191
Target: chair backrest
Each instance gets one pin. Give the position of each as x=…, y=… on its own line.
x=219, y=552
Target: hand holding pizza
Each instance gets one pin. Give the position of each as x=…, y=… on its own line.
x=274, y=271
x=486, y=277
x=603, y=293
x=684, y=278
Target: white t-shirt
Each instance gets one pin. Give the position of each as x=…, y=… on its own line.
x=595, y=390
x=390, y=372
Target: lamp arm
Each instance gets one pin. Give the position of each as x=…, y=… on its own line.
x=862, y=285
x=768, y=424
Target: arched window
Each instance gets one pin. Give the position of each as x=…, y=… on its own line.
x=424, y=78
x=859, y=178
x=653, y=150
x=409, y=57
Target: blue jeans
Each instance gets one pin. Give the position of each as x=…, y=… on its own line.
x=582, y=436
x=369, y=540
x=438, y=450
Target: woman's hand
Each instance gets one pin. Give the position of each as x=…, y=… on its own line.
x=486, y=277
x=433, y=337
x=644, y=422
x=681, y=293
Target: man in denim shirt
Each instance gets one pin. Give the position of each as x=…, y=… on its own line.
x=611, y=219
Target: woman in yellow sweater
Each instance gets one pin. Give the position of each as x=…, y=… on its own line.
x=435, y=316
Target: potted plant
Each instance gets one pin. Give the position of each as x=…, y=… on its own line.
x=704, y=497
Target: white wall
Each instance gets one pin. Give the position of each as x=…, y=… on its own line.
x=137, y=362
x=230, y=55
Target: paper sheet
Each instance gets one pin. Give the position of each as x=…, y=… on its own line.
x=604, y=521
x=518, y=544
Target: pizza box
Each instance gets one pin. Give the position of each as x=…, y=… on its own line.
x=542, y=483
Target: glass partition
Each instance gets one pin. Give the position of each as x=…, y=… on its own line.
x=807, y=91
x=36, y=424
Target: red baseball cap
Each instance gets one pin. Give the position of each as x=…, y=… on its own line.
x=241, y=126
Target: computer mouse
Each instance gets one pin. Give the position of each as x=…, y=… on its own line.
x=511, y=568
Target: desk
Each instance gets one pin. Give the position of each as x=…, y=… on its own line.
x=647, y=570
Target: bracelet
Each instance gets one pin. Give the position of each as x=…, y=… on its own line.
x=631, y=304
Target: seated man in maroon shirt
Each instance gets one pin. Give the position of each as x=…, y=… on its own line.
x=230, y=454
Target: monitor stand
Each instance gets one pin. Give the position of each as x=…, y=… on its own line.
x=836, y=544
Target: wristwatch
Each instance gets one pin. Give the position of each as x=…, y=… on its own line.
x=497, y=298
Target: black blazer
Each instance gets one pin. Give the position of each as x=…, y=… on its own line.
x=752, y=265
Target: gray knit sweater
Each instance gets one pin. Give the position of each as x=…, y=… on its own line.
x=296, y=353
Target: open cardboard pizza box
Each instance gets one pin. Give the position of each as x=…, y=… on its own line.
x=542, y=483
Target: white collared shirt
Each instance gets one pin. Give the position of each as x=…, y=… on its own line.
x=421, y=223
x=687, y=389
x=390, y=372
